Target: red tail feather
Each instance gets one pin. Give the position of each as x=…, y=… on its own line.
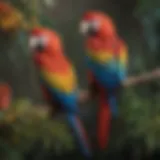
x=104, y=118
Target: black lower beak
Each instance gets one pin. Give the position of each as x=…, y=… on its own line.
x=39, y=48
x=92, y=32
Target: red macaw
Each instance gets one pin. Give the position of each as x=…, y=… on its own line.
x=57, y=78
x=106, y=56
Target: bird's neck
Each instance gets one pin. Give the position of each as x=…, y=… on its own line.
x=100, y=43
x=57, y=63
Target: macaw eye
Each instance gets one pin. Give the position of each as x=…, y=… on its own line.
x=37, y=43
x=89, y=27
x=95, y=25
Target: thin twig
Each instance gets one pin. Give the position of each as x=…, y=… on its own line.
x=35, y=12
x=85, y=95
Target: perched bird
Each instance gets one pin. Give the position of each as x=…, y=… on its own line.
x=58, y=79
x=106, y=57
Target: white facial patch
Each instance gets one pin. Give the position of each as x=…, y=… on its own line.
x=35, y=41
x=85, y=26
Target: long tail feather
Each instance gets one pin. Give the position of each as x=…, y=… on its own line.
x=80, y=134
x=112, y=100
x=104, y=120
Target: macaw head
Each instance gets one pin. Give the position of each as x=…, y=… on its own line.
x=43, y=41
x=96, y=23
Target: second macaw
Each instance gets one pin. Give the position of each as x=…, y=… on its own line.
x=106, y=56
x=58, y=80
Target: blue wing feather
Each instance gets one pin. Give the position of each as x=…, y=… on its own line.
x=67, y=100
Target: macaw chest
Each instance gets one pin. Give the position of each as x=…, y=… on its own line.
x=106, y=74
x=65, y=83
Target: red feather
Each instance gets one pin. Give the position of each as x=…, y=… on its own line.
x=104, y=115
x=104, y=120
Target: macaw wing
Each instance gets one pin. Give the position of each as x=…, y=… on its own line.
x=122, y=61
x=50, y=99
x=62, y=89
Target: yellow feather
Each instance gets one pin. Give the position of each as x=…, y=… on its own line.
x=124, y=56
x=101, y=57
x=65, y=83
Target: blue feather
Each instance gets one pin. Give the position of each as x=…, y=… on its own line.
x=68, y=101
x=112, y=100
x=79, y=133
x=109, y=76
x=105, y=74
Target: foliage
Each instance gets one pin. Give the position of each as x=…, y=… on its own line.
x=10, y=18
x=145, y=105
x=142, y=112
x=144, y=6
x=142, y=115
x=24, y=124
x=148, y=13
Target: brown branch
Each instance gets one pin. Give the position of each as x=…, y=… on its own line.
x=143, y=78
x=85, y=95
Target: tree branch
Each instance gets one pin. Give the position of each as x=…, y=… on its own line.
x=143, y=78
x=85, y=95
